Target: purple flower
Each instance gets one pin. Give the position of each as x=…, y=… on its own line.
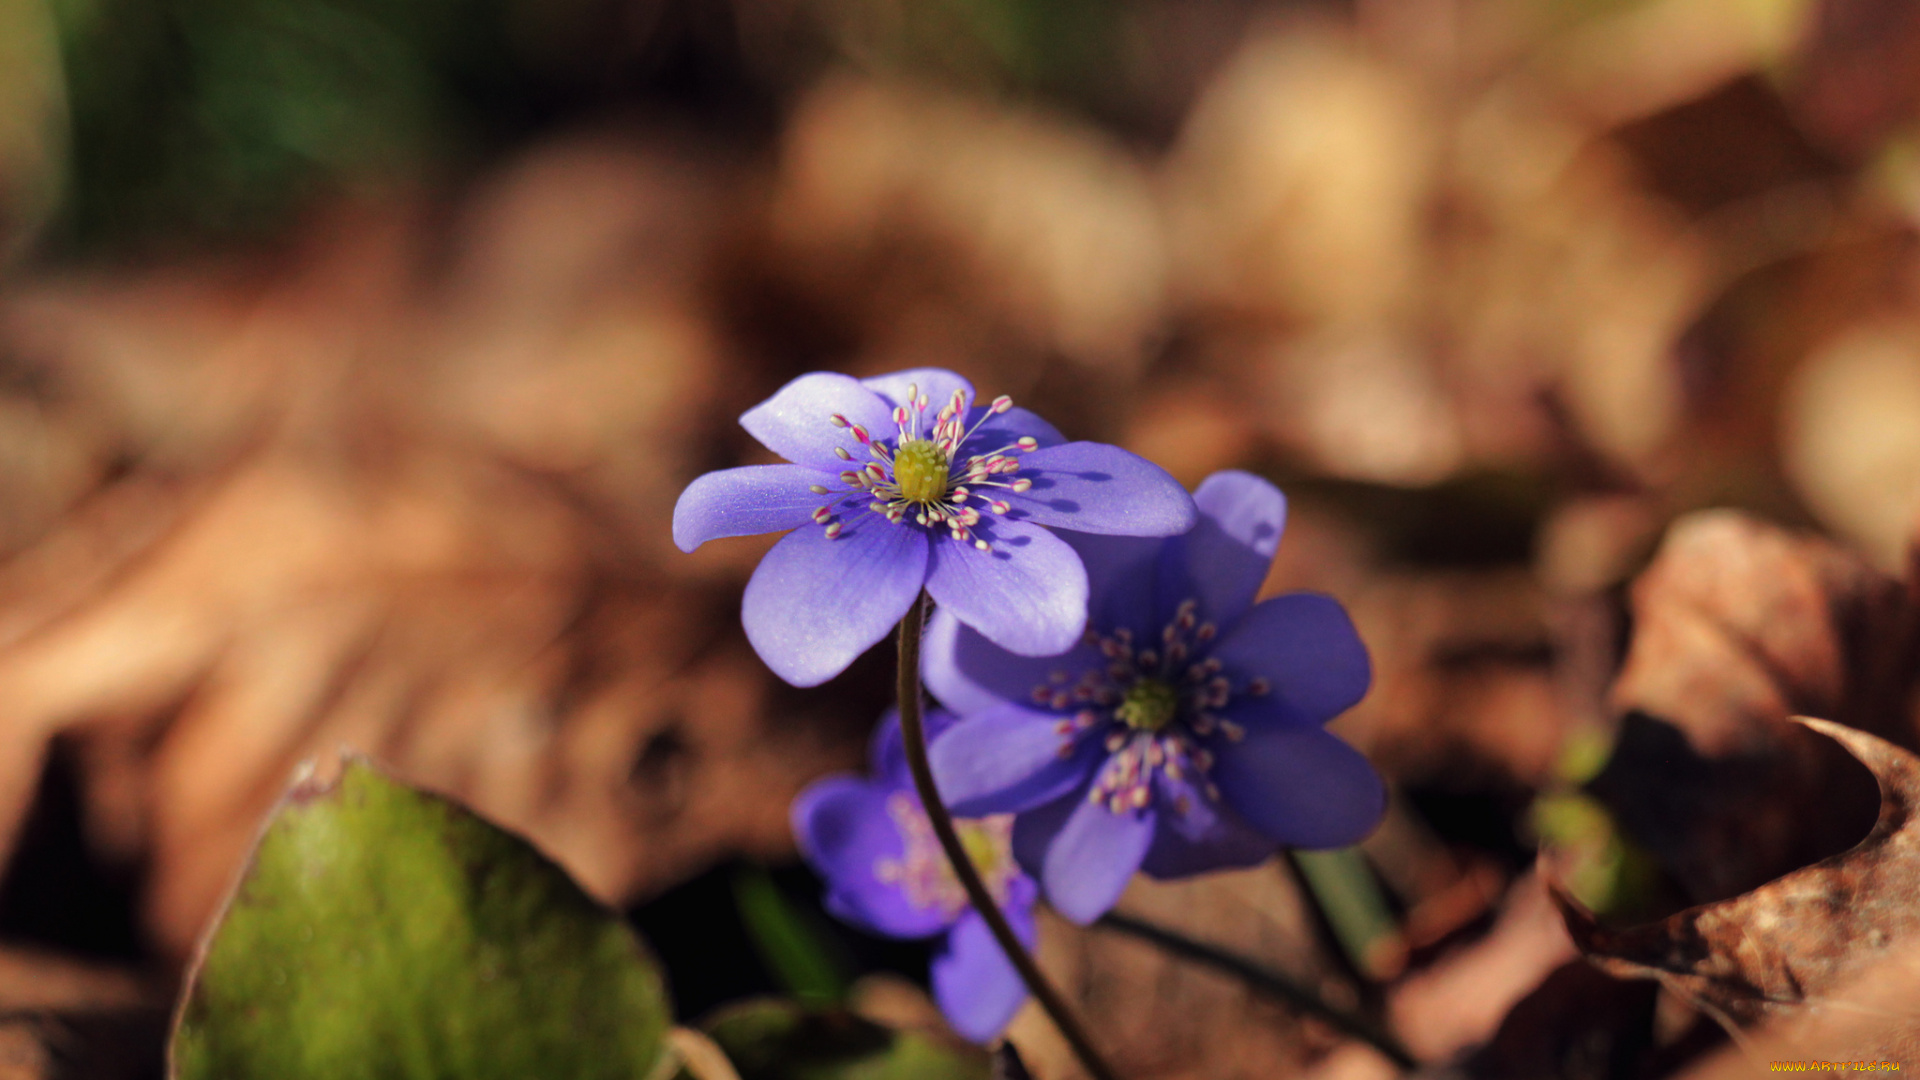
x=886, y=873
x=1183, y=734
x=885, y=497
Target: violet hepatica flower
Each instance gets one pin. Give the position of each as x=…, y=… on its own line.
x=886, y=872
x=1183, y=734
x=905, y=481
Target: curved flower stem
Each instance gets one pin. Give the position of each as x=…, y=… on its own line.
x=913, y=735
x=1265, y=981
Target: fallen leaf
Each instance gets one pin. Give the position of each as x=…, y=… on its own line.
x=1795, y=940
x=1158, y=1016
x=1850, y=442
x=1578, y=1024
x=1876, y=1018
x=1459, y=1002
x=1737, y=624
x=1044, y=229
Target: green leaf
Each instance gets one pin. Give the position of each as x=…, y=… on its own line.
x=381, y=932
x=769, y=1039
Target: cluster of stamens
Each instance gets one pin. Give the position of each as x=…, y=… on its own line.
x=922, y=872
x=918, y=476
x=1151, y=702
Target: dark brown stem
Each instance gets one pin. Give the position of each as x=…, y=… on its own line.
x=913, y=735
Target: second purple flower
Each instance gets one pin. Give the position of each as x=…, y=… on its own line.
x=1183, y=734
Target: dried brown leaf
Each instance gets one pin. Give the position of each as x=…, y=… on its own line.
x=1737, y=625
x=1795, y=940
x=1165, y=1018
x=1458, y=1003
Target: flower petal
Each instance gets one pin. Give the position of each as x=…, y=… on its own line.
x=845, y=830
x=1306, y=647
x=969, y=674
x=886, y=752
x=938, y=384
x=974, y=983
x=747, y=501
x=1027, y=594
x=1300, y=785
x=1090, y=860
x=1223, y=561
x=1120, y=581
x=1096, y=488
x=815, y=604
x=1206, y=838
x=795, y=424
x=1009, y=759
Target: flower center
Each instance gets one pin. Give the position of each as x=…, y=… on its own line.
x=1149, y=705
x=920, y=469
x=921, y=872
x=927, y=477
x=1157, y=706
x=986, y=841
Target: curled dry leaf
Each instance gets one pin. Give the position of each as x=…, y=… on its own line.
x=1739, y=624
x=1875, y=1018
x=1792, y=942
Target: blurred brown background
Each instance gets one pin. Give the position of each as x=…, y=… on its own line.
x=353, y=353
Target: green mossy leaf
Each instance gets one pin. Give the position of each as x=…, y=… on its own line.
x=381, y=932
x=769, y=1039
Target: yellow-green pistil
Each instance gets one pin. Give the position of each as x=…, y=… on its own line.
x=921, y=469
x=918, y=478
x=921, y=871
x=1149, y=705
x=985, y=841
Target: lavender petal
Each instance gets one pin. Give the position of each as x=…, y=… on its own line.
x=1299, y=785
x=1096, y=488
x=1027, y=594
x=796, y=421
x=1306, y=648
x=747, y=501
x=815, y=604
